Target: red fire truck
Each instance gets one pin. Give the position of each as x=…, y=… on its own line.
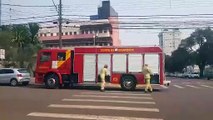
x=81, y=65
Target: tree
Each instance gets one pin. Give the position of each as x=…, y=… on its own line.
x=178, y=60
x=22, y=44
x=168, y=64
x=34, y=45
x=5, y=39
x=199, y=44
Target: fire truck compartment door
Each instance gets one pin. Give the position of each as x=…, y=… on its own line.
x=153, y=61
x=104, y=59
x=89, y=67
x=119, y=63
x=135, y=63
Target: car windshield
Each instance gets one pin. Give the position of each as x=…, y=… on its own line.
x=22, y=70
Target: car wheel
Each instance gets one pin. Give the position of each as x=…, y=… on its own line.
x=128, y=83
x=13, y=82
x=52, y=81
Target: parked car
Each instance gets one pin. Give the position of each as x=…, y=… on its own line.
x=208, y=73
x=14, y=76
x=194, y=75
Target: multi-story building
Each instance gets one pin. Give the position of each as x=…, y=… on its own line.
x=100, y=30
x=169, y=40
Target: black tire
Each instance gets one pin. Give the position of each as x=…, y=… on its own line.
x=128, y=83
x=52, y=81
x=13, y=82
x=25, y=83
x=167, y=84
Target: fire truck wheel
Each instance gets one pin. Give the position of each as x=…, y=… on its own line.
x=128, y=83
x=51, y=81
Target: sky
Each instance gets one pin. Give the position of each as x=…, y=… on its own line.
x=12, y=14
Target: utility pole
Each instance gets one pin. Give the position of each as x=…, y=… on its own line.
x=95, y=36
x=94, y=39
x=60, y=23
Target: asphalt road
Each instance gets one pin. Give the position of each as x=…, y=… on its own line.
x=184, y=99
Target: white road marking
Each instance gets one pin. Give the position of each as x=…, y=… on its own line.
x=122, y=94
x=87, y=117
x=178, y=86
x=101, y=96
x=206, y=86
x=107, y=101
x=192, y=86
x=104, y=107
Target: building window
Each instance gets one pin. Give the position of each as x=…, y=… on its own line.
x=70, y=33
x=91, y=31
x=57, y=34
x=45, y=34
x=100, y=31
x=66, y=33
x=41, y=34
x=75, y=33
x=51, y=34
x=86, y=31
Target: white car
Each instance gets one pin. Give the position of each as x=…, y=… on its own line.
x=14, y=76
x=193, y=75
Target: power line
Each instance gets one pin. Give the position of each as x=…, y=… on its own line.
x=33, y=17
x=150, y=16
x=27, y=5
x=55, y=6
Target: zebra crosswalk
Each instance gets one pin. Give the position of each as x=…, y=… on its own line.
x=104, y=107
x=178, y=86
x=206, y=86
x=115, y=97
x=198, y=86
x=108, y=101
x=88, y=117
x=122, y=103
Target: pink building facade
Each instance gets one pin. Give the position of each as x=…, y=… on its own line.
x=100, y=30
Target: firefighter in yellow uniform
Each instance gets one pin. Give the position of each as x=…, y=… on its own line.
x=103, y=74
x=147, y=75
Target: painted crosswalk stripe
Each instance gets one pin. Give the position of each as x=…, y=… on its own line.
x=123, y=94
x=87, y=117
x=178, y=86
x=104, y=107
x=192, y=86
x=206, y=86
x=108, y=101
x=101, y=96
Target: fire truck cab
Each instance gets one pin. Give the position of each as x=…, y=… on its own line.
x=82, y=65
